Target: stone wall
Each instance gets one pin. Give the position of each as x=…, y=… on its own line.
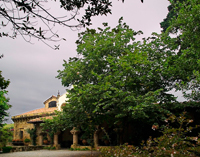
x=25, y=148
x=22, y=125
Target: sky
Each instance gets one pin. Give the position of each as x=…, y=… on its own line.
x=32, y=68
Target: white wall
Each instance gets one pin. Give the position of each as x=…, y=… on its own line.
x=62, y=99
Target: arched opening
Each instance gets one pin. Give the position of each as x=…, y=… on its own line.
x=52, y=104
x=65, y=139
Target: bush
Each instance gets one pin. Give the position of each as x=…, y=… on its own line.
x=27, y=140
x=173, y=142
x=121, y=151
x=6, y=149
x=49, y=148
x=52, y=148
x=79, y=149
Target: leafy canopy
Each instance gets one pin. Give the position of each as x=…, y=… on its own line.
x=117, y=77
x=182, y=37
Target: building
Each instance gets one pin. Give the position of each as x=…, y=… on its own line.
x=32, y=119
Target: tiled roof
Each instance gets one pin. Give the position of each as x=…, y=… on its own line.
x=37, y=112
x=40, y=110
x=39, y=120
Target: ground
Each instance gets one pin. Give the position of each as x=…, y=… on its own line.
x=50, y=153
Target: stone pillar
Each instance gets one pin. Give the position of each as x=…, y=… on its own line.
x=75, y=133
x=55, y=140
x=40, y=138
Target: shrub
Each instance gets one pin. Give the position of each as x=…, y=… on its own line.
x=85, y=148
x=78, y=149
x=49, y=148
x=6, y=149
x=45, y=147
x=71, y=149
x=27, y=140
x=173, y=142
x=121, y=151
x=52, y=148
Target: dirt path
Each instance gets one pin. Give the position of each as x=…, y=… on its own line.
x=50, y=153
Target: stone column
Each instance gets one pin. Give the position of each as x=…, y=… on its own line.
x=40, y=142
x=55, y=140
x=75, y=133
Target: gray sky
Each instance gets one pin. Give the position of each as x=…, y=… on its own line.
x=32, y=68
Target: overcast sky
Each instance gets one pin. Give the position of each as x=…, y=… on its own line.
x=32, y=68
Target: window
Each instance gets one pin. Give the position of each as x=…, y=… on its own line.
x=21, y=134
x=52, y=104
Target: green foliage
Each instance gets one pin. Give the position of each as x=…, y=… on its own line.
x=79, y=149
x=5, y=136
x=3, y=83
x=4, y=106
x=171, y=14
x=33, y=134
x=126, y=81
x=49, y=148
x=45, y=138
x=6, y=149
x=117, y=78
x=9, y=126
x=173, y=141
x=27, y=140
x=182, y=37
x=51, y=126
x=121, y=151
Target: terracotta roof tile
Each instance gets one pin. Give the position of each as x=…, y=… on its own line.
x=40, y=110
x=40, y=119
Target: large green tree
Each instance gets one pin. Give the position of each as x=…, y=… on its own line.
x=123, y=80
x=117, y=77
x=182, y=37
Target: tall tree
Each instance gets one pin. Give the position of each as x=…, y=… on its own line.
x=182, y=37
x=116, y=77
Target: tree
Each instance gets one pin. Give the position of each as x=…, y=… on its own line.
x=4, y=106
x=117, y=78
x=34, y=19
x=51, y=126
x=33, y=135
x=6, y=136
x=182, y=37
x=171, y=14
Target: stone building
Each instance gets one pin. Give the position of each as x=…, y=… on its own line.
x=32, y=119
